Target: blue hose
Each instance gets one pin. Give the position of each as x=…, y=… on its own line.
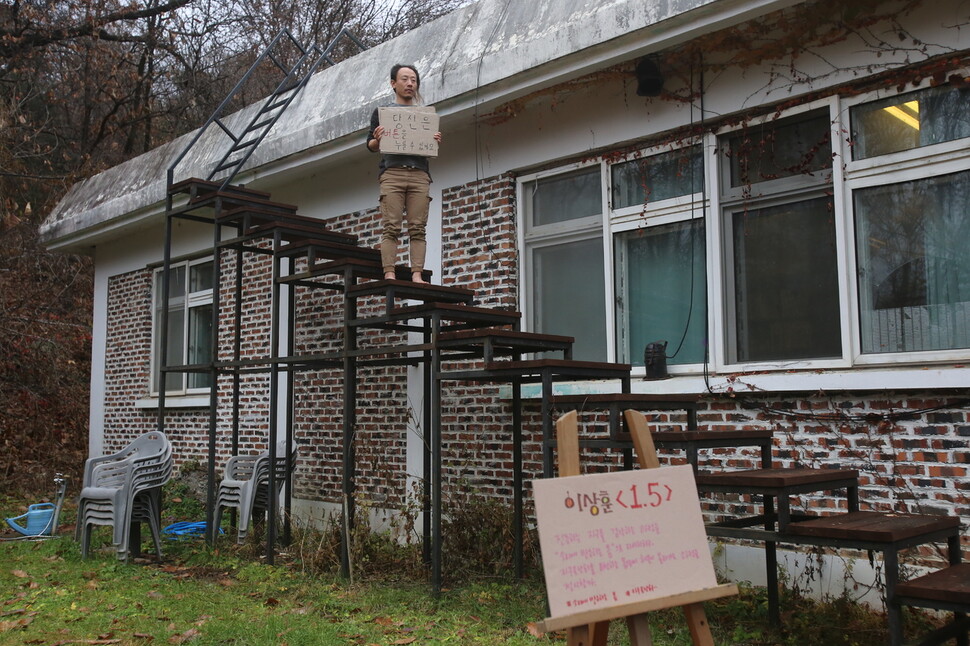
x=179, y=531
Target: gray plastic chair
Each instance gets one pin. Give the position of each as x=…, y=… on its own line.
x=123, y=489
x=245, y=486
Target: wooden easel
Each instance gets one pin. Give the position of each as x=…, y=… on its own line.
x=592, y=628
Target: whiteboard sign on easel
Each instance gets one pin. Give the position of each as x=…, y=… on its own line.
x=613, y=539
x=409, y=131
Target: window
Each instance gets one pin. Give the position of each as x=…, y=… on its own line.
x=655, y=178
x=189, y=324
x=786, y=287
x=780, y=233
x=565, y=261
x=909, y=121
x=913, y=244
x=661, y=272
x=911, y=211
x=660, y=267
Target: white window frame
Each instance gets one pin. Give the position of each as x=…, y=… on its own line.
x=683, y=208
x=531, y=238
x=606, y=226
x=918, y=163
x=782, y=191
x=193, y=300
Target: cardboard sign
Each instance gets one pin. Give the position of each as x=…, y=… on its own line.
x=409, y=131
x=611, y=539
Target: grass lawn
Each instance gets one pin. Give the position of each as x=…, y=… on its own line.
x=50, y=596
x=197, y=595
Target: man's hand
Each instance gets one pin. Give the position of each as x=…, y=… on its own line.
x=378, y=133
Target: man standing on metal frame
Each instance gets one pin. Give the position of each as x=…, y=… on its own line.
x=405, y=183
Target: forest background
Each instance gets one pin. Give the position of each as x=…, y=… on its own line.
x=86, y=85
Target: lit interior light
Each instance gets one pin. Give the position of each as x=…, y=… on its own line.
x=908, y=113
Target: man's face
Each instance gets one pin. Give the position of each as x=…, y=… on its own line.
x=405, y=86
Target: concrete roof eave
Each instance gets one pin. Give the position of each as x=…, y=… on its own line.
x=486, y=53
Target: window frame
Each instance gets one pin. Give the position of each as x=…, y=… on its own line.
x=606, y=226
x=192, y=300
x=532, y=237
x=674, y=210
x=728, y=199
x=922, y=162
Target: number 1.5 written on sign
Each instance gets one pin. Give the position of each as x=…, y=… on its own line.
x=653, y=494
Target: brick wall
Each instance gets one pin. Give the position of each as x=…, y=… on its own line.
x=479, y=252
x=127, y=354
x=383, y=410
x=916, y=464
x=478, y=244
x=127, y=371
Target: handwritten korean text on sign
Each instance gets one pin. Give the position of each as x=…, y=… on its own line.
x=615, y=538
x=409, y=131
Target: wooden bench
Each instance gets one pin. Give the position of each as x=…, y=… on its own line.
x=947, y=589
x=889, y=533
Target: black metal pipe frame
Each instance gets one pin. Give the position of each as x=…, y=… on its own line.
x=431, y=357
x=236, y=374
x=436, y=506
x=429, y=379
x=261, y=124
x=163, y=324
x=211, y=530
x=518, y=489
x=272, y=494
x=958, y=628
x=350, y=422
x=547, y=434
x=290, y=409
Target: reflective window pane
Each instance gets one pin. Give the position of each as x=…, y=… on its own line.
x=565, y=197
x=910, y=120
x=200, y=343
x=786, y=283
x=176, y=326
x=664, y=291
x=794, y=146
x=176, y=284
x=201, y=277
x=176, y=330
x=913, y=244
x=569, y=295
x=658, y=177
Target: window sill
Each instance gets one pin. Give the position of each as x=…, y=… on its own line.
x=857, y=380
x=175, y=401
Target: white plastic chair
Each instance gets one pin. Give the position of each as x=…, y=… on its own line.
x=123, y=489
x=245, y=486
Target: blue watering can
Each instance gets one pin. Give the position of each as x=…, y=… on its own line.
x=41, y=518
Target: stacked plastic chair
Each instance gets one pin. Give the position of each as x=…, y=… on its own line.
x=245, y=486
x=123, y=489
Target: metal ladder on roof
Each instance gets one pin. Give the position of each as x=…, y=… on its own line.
x=295, y=77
